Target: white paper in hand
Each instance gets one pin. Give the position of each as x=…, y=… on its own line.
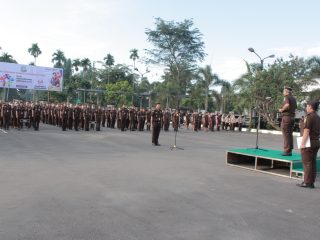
x=299, y=140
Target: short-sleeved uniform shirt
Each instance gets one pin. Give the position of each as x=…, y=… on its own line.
x=312, y=122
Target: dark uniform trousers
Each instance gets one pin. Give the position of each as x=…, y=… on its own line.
x=76, y=123
x=98, y=123
x=64, y=123
x=309, y=159
x=123, y=124
x=86, y=122
x=36, y=122
x=287, y=125
x=156, y=132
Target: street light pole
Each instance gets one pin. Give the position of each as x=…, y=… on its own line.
x=261, y=59
x=141, y=77
x=257, y=105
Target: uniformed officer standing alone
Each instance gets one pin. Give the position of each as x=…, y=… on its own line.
x=309, y=154
x=287, y=123
x=156, y=121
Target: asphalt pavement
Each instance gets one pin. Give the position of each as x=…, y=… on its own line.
x=114, y=185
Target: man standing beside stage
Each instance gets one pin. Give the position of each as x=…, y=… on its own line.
x=156, y=121
x=288, y=114
x=309, y=154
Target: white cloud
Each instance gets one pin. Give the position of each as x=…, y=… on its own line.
x=286, y=51
x=297, y=51
x=79, y=28
x=313, y=51
x=229, y=68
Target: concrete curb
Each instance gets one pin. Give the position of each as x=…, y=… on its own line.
x=264, y=131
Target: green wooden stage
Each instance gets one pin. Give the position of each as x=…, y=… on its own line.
x=267, y=161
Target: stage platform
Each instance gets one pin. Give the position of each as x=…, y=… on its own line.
x=267, y=161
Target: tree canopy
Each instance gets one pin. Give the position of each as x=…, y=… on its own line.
x=178, y=46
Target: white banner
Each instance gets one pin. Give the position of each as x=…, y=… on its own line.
x=30, y=77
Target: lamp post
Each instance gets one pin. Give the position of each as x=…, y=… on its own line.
x=141, y=77
x=257, y=106
x=142, y=74
x=261, y=59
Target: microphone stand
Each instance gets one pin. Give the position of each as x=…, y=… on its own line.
x=174, y=146
x=258, y=128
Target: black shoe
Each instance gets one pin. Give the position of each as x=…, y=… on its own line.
x=286, y=154
x=158, y=144
x=305, y=185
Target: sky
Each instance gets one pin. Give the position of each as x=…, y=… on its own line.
x=83, y=28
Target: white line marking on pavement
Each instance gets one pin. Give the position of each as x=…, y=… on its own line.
x=3, y=131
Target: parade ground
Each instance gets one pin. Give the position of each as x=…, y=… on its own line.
x=114, y=185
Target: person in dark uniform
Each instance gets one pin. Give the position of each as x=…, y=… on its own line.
x=188, y=117
x=70, y=117
x=87, y=117
x=57, y=115
x=6, y=112
x=64, y=117
x=92, y=121
x=240, y=120
x=148, y=119
x=223, y=121
x=104, y=117
x=14, y=115
x=30, y=117
x=82, y=117
x=98, y=117
x=132, y=118
x=51, y=106
x=211, y=122
x=36, y=114
x=122, y=118
x=76, y=117
x=166, y=120
x=176, y=120
x=288, y=114
x=113, y=117
x=141, y=119
x=309, y=154
x=232, y=121
x=157, y=122
x=20, y=112
x=199, y=121
x=195, y=119
x=206, y=121
x=1, y=114
x=218, y=121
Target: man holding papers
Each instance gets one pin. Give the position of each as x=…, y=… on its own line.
x=287, y=123
x=309, y=154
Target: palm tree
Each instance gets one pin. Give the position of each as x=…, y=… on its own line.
x=225, y=92
x=207, y=80
x=109, y=61
x=58, y=58
x=85, y=64
x=34, y=51
x=76, y=63
x=6, y=57
x=134, y=56
x=245, y=87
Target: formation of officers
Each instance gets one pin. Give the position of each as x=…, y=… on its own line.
x=89, y=117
